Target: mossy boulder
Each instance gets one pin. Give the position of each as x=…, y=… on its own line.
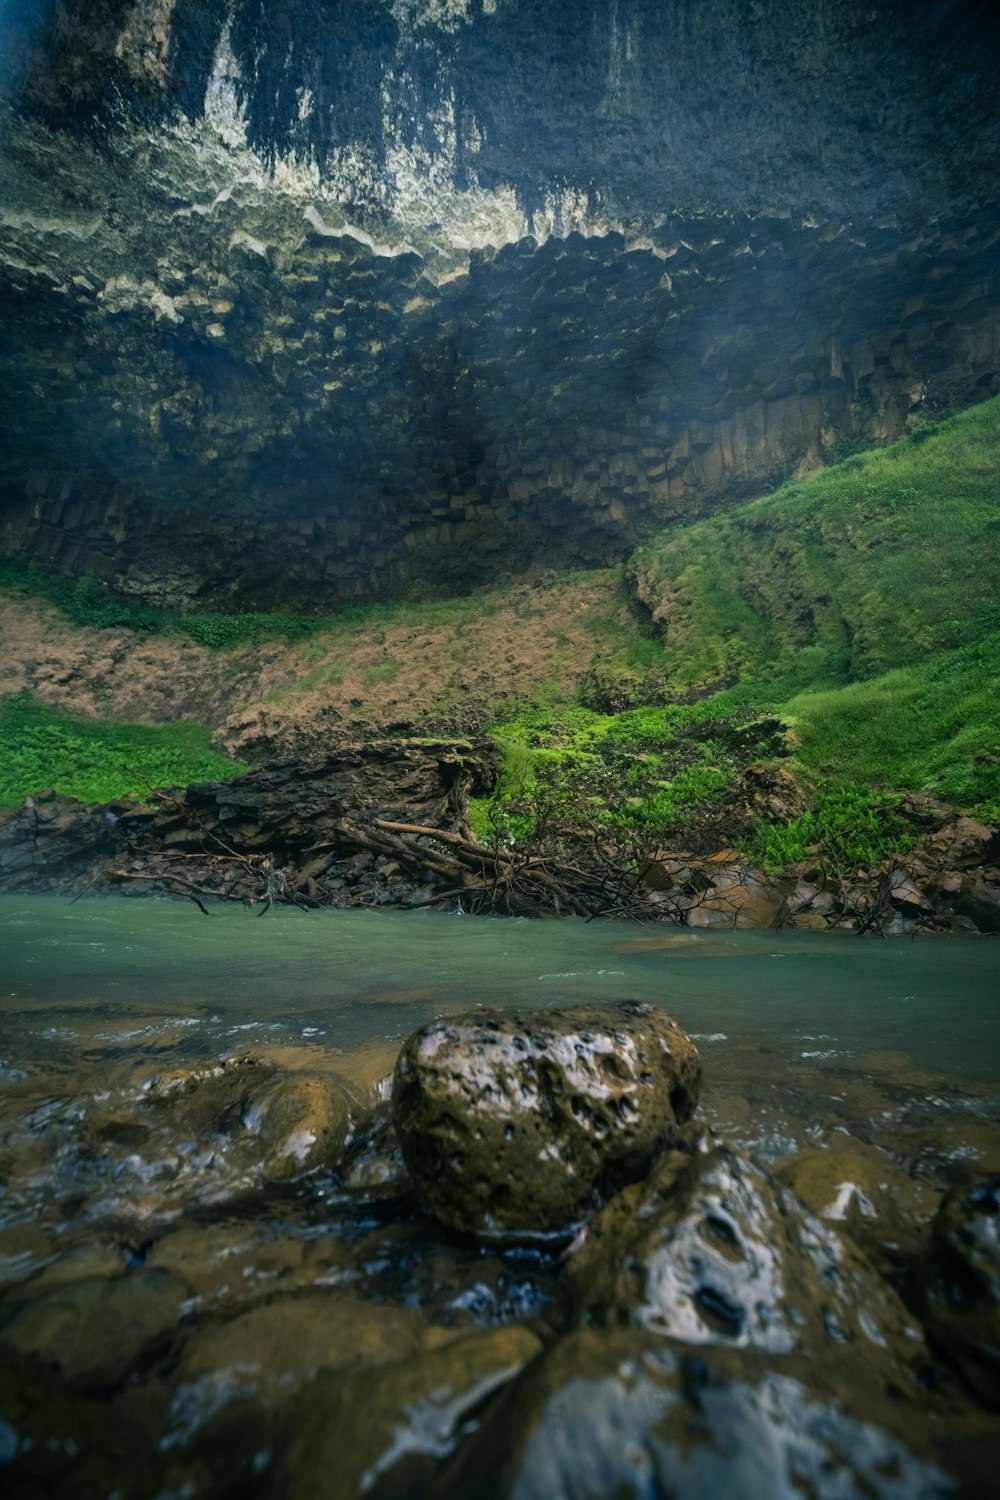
x=522, y=1123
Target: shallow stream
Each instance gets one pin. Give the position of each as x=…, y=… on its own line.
x=883, y=1054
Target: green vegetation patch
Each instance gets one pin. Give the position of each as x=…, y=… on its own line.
x=848, y=828
x=95, y=761
x=931, y=728
x=889, y=557
x=645, y=770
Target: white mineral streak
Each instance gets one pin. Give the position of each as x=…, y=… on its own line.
x=425, y=210
x=432, y=1423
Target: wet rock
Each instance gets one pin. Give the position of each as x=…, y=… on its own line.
x=302, y=1123
x=958, y=842
x=236, y=1262
x=961, y=1283
x=711, y=1250
x=394, y=1424
x=92, y=1332
x=521, y=1123
x=866, y=1193
x=49, y=839
x=57, y=1441
x=979, y=900
x=734, y=900
x=374, y=1165
x=262, y=1358
x=285, y=1342
x=604, y=1414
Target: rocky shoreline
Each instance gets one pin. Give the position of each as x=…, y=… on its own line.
x=647, y=1309
x=385, y=824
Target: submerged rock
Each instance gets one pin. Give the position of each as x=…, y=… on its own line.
x=92, y=1332
x=521, y=1123
x=604, y=1414
x=961, y=1283
x=711, y=1250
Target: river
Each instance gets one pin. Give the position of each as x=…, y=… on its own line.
x=888, y=1050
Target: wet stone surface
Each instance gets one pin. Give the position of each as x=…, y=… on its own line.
x=521, y=1123
x=618, y=1414
x=961, y=1283
x=193, y=1309
x=710, y=1250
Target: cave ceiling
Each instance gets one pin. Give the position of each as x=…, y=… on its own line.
x=315, y=302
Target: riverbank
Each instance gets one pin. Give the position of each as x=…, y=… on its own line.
x=386, y=824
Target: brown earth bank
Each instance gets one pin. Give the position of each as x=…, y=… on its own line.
x=443, y=668
x=384, y=823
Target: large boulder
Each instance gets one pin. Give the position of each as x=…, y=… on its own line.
x=618, y=1413
x=710, y=1250
x=522, y=1123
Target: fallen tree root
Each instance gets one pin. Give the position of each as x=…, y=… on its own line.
x=502, y=878
x=175, y=884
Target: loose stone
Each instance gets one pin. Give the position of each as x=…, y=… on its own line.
x=523, y=1123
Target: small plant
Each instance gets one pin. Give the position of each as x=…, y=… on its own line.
x=850, y=828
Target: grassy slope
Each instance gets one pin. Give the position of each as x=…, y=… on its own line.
x=885, y=559
x=859, y=606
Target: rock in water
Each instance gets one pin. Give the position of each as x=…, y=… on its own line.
x=961, y=1283
x=521, y=1123
x=711, y=1250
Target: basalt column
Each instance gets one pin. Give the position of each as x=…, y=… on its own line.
x=316, y=303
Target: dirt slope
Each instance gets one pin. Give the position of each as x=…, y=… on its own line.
x=435, y=667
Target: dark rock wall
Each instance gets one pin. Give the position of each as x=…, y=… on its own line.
x=334, y=300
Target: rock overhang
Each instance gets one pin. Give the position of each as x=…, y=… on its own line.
x=309, y=348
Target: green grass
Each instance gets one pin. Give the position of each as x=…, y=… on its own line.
x=858, y=608
x=887, y=558
x=932, y=728
x=96, y=761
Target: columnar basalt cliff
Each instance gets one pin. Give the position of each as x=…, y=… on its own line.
x=316, y=303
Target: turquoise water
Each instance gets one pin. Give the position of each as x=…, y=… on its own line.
x=797, y=1030
x=367, y=974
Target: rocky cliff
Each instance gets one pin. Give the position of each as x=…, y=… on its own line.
x=317, y=302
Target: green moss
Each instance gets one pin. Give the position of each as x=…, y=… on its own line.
x=97, y=761
x=877, y=563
